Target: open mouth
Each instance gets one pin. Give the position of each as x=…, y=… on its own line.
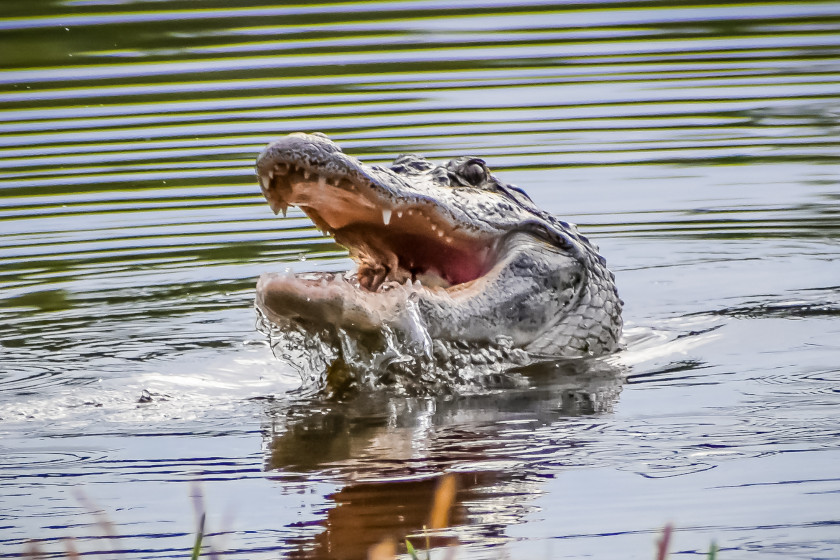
x=443, y=252
x=393, y=239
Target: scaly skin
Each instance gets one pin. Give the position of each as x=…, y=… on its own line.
x=448, y=250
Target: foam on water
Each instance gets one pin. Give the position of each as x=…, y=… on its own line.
x=404, y=358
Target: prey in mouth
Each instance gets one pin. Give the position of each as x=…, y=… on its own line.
x=446, y=250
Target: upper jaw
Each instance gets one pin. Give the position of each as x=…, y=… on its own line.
x=316, y=159
x=295, y=168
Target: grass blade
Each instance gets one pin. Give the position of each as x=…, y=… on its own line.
x=196, y=551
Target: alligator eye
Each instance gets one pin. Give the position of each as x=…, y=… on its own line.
x=475, y=173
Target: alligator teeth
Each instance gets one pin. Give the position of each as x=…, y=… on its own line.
x=386, y=216
x=306, y=174
x=264, y=183
x=322, y=182
x=399, y=214
x=271, y=174
x=440, y=233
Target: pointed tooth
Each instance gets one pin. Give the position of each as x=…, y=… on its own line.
x=434, y=227
x=440, y=233
x=399, y=214
x=275, y=201
x=306, y=174
x=386, y=216
x=264, y=183
x=322, y=182
x=271, y=174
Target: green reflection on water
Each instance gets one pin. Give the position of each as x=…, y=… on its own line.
x=124, y=121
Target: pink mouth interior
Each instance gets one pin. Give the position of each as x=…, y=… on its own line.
x=418, y=253
x=389, y=240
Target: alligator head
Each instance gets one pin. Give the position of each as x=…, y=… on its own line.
x=448, y=251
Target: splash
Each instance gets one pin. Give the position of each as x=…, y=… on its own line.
x=402, y=358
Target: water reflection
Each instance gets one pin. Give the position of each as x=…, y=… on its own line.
x=696, y=144
x=365, y=514
x=389, y=452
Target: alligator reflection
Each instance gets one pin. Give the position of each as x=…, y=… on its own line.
x=389, y=452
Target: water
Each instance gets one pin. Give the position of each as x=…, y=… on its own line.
x=697, y=145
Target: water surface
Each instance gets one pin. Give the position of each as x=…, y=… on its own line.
x=696, y=144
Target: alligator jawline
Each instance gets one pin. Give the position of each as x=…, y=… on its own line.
x=391, y=241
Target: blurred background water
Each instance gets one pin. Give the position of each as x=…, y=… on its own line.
x=696, y=143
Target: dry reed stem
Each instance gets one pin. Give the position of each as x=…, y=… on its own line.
x=662, y=544
x=442, y=504
x=70, y=549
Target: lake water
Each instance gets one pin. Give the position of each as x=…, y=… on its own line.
x=696, y=144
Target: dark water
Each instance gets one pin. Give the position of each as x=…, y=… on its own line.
x=697, y=144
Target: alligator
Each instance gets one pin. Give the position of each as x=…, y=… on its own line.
x=443, y=252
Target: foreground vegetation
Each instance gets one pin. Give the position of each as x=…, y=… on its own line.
x=388, y=549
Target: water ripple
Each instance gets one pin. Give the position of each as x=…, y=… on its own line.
x=697, y=144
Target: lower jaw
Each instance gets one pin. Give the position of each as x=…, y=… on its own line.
x=332, y=300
